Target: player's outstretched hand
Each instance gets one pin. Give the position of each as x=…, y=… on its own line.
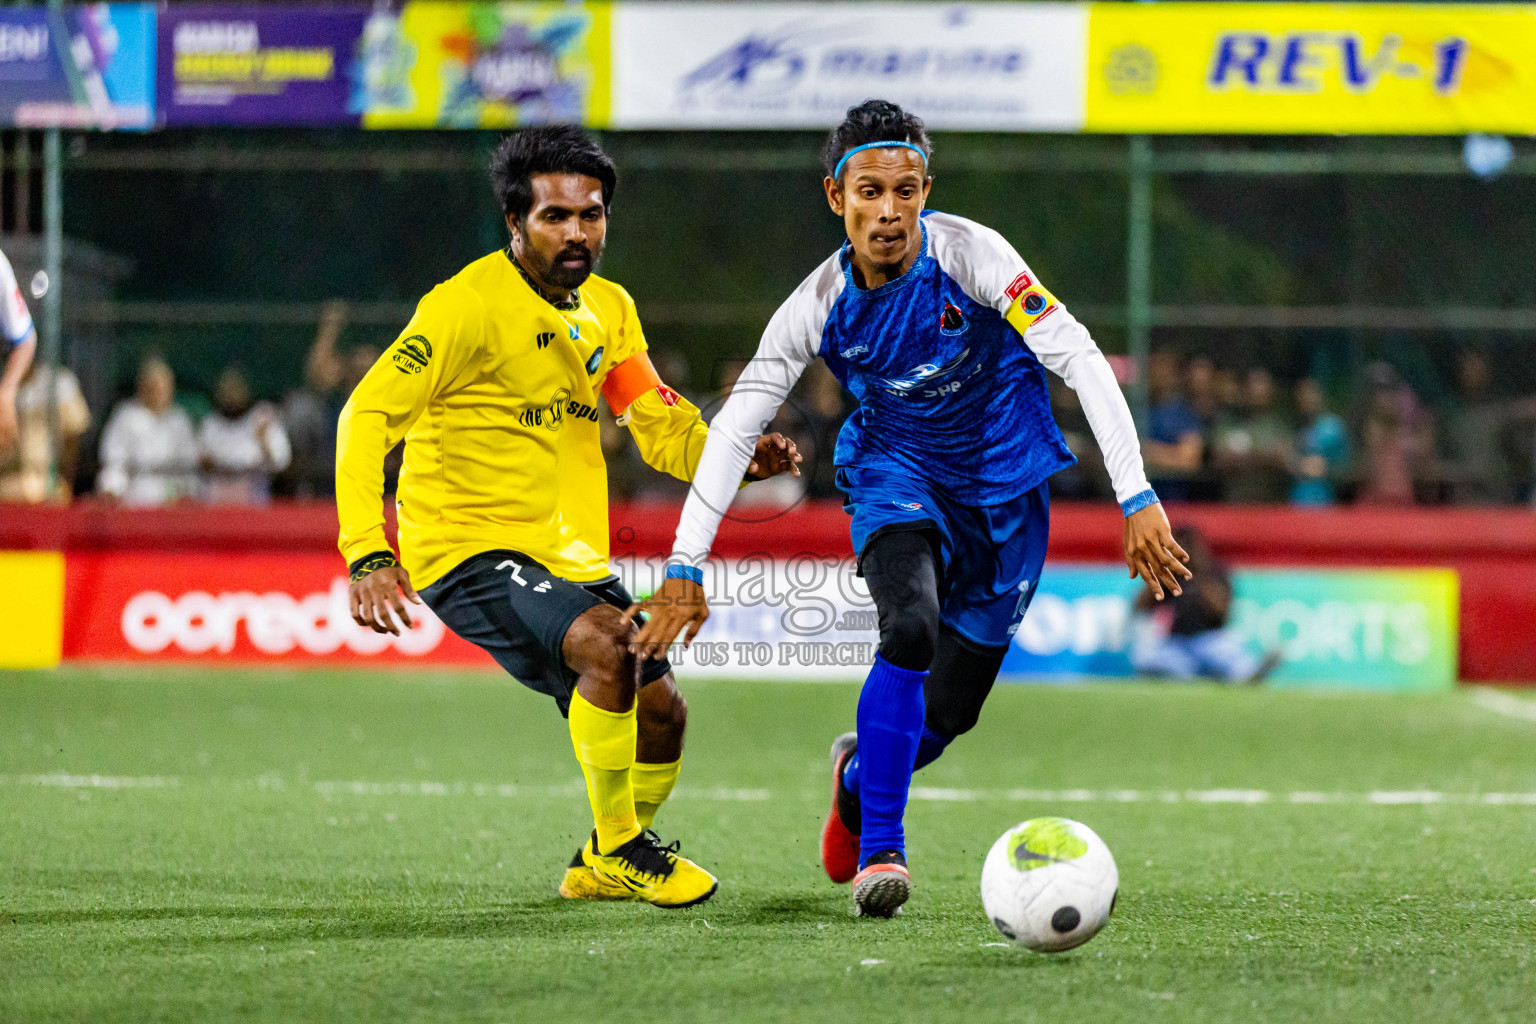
x=677, y=604
x=1153, y=554
x=377, y=594
x=775, y=454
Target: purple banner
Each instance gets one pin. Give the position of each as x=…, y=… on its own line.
x=231, y=64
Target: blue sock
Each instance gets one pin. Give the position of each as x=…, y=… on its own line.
x=929, y=746
x=890, y=722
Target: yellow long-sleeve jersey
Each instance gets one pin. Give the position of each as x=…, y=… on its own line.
x=495, y=392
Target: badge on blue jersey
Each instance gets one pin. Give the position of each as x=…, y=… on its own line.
x=908, y=506
x=952, y=321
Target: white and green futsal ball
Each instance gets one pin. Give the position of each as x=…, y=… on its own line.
x=1049, y=884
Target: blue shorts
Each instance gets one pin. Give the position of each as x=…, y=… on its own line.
x=990, y=555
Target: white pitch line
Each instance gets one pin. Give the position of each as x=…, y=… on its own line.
x=1250, y=797
x=64, y=780
x=1501, y=703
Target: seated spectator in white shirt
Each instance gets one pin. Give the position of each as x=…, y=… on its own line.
x=241, y=444
x=26, y=476
x=148, y=453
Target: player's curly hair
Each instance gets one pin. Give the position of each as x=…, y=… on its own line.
x=874, y=121
x=546, y=149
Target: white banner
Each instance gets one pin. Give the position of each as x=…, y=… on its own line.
x=801, y=65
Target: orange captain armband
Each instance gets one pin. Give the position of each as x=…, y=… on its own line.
x=629, y=380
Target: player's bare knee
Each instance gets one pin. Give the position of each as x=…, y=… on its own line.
x=597, y=647
x=662, y=708
x=676, y=717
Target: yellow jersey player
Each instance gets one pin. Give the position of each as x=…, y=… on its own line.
x=503, y=496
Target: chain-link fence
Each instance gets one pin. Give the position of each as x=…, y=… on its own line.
x=1360, y=262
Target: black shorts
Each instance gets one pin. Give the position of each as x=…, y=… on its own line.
x=518, y=611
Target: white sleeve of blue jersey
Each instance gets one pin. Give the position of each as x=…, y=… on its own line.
x=983, y=263
x=789, y=344
x=15, y=321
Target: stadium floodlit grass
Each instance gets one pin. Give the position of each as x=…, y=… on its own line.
x=374, y=846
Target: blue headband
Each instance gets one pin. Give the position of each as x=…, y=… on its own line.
x=889, y=144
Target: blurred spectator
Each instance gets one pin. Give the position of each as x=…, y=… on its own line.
x=1228, y=390
x=1396, y=439
x=1477, y=436
x=1481, y=471
x=355, y=364
x=1174, y=448
x=826, y=407
x=148, y=453
x=1251, y=449
x=25, y=477
x=310, y=412
x=1322, y=447
x=240, y=445
x=1088, y=479
x=1200, y=390
x=784, y=490
x=1186, y=636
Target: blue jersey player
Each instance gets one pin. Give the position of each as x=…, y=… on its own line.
x=943, y=335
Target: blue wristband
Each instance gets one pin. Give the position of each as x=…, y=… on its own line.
x=1136, y=502
x=678, y=571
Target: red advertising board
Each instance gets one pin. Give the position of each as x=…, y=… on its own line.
x=270, y=607
x=267, y=568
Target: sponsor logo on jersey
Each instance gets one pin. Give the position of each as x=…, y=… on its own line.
x=581, y=411
x=596, y=360
x=1018, y=285
x=552, y=416
x=920, y=375
x=908, y=506
x=857, y=350
x=667, y=394
x=952, y=321
x=412, y=354
x=543, y=339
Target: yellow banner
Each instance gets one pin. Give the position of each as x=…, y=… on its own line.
x=1311, y=68
x=31, y=609
x=493, y=65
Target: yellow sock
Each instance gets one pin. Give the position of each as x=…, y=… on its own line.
x=605, y=747
x=652, y=784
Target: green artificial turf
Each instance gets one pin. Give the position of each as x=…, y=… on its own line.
x=374, y=846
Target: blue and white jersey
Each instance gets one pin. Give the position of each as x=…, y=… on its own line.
x=947, y=364
x=945, y=391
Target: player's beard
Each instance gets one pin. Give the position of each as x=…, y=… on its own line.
x=559, y=275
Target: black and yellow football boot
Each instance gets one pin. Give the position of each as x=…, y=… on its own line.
x=582, y=883
x=652, y=872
